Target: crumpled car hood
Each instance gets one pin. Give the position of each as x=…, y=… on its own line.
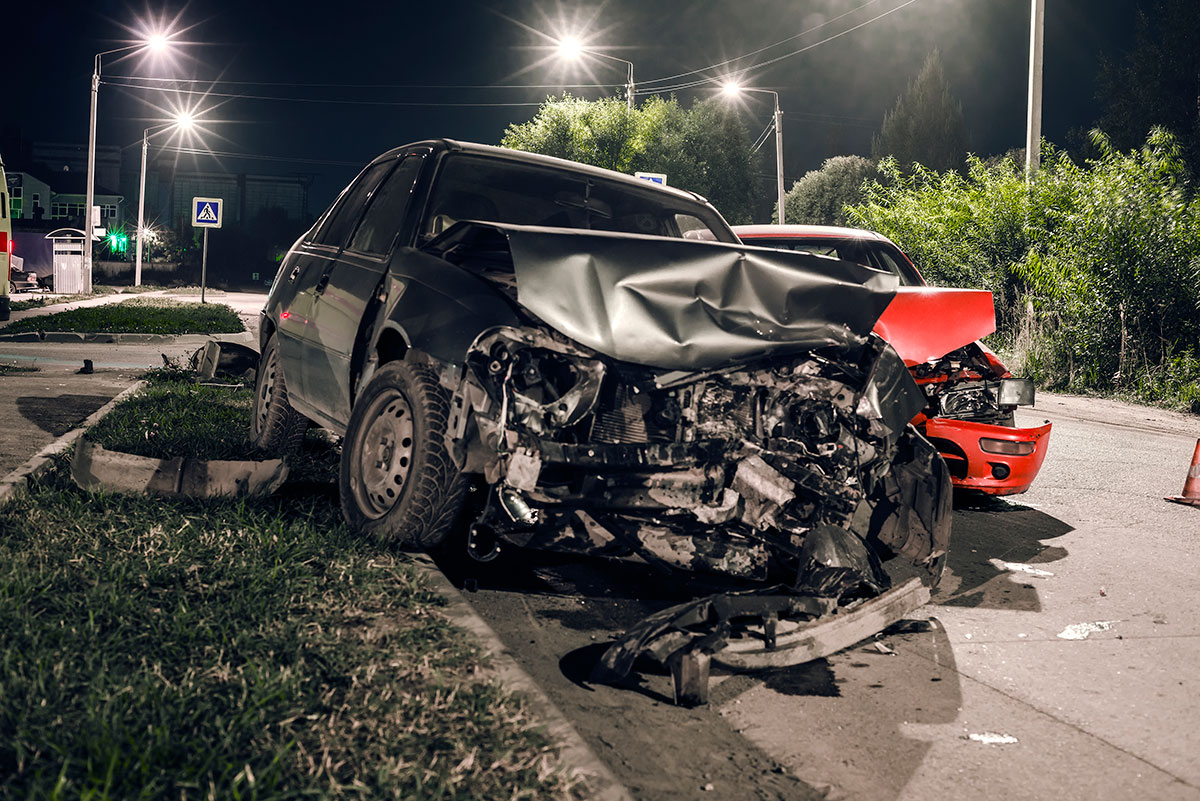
x=925, y=323
x=687, y=305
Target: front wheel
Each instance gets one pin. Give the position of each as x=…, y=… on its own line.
x=275, y=426
x=397, y=481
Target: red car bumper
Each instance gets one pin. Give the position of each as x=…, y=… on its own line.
x=962, y=445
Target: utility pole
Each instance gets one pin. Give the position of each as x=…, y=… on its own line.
x=1033, y=131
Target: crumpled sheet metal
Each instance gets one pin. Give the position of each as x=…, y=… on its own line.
x=686, y=305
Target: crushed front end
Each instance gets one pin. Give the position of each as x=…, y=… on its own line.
x=795, y=476
x=969, y=417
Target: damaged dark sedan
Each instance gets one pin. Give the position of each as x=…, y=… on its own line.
x=560, y=336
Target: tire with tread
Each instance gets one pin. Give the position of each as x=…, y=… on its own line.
x=275, y=426
x=397, y=481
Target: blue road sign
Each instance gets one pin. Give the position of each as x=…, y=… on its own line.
x=206, y=212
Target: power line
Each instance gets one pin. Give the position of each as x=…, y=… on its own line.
x=768, y=62
x=398, y=103
x=194, y=151
x=763, y=49
x=220, y=82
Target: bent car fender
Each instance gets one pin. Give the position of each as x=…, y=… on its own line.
x=926, y=323
x=440, y=308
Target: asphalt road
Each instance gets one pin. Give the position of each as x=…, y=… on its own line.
x=1060, y=661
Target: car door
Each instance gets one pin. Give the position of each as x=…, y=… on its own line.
x=343, y=292
x=301, y=349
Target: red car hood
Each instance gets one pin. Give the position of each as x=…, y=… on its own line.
x=925, y=323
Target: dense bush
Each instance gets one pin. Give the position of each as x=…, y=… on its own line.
x=705, y=149
x=820, y=196
x=1095, y=267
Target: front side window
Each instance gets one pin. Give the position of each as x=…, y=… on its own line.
x=342, y=217
x=471, y=187
x=386, y=212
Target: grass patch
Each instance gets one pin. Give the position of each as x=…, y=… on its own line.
x=194, y=290
x=171, y=648
x=6, y=369
x=174, y=416
x=138, y=316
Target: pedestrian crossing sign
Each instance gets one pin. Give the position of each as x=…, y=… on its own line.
x=206, y=212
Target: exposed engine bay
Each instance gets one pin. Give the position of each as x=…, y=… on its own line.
x=970, y=384
x=798, y=475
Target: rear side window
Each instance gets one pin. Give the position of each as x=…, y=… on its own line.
x=341, y=220
x=894, y=262
x=385, y=215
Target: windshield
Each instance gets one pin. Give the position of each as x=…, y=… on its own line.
x=470, y=187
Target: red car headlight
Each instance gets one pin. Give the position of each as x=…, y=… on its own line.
x=1005, y=446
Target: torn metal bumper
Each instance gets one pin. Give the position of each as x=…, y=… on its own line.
x=997, y=460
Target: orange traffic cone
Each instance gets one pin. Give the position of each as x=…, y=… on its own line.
x=1191, y=484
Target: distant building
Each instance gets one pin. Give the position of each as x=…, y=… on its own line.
x=60, y=196
x=245, y=195
x=58, y=157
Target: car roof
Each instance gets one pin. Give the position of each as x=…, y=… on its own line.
x=545, y=161
x=807, y=231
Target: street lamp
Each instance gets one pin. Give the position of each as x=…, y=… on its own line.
x=732, y=89
x=155, y=43
x=572, y=49
x=182, y=122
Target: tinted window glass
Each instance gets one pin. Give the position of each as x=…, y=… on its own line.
x=478, y=188
x=385, y=215
x=341, y=220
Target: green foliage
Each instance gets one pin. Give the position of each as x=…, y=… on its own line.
x=926, y=124
x=1095, y=267
x=820, y=197
x=704, y=149
x=138, y=316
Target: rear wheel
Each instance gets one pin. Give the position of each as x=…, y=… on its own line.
x=398, y=482
x=275, y=426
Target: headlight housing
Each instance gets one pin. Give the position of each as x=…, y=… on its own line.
x=545, y=384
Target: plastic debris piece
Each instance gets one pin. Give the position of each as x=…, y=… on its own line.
x=1080, y=631
x=1017, y=567
x=883, y=649
x=992, y=738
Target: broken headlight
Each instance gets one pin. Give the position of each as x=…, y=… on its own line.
x=543, y=384
x=1015, y=392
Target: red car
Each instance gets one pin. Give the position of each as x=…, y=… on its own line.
x=971, y=394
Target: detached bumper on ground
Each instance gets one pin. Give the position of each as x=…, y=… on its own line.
x=989, y=458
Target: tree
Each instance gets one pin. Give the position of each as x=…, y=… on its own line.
x=704, y=149
x=926, y=124
x=820, y=197
x=1157, y=82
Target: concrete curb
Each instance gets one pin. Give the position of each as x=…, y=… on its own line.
x=16, y=482
x=574, y=753
x=117, y=339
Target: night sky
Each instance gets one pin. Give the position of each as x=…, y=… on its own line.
x=325, y=86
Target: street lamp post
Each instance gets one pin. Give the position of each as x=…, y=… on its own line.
x=573, y=49
x=156, y=43
x=183, y=122
x=1033, y=120
x=732, y=89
